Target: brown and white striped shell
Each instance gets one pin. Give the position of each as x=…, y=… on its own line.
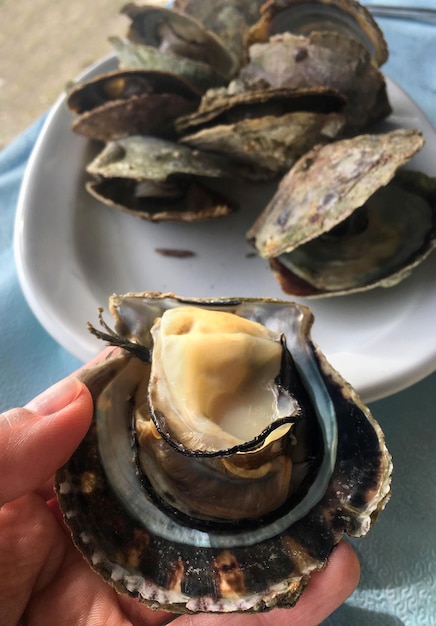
x=150, y=494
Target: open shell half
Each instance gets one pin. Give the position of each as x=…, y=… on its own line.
x=347, y=218
x=215, y=402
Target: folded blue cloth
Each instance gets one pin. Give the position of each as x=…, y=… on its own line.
x=412, y=54
x=398, y=557
x=30, y=359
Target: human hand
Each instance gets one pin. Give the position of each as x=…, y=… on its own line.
x=44, y=579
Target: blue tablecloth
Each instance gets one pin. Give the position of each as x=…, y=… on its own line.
x=398, y=584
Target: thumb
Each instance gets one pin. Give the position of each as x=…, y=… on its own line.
x=38, y=439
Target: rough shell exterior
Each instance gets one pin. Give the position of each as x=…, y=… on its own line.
x=158, y=180
x=305, y=16
x=322, y=59
x=268, y=146
x=347, y=218
x=327, y=185
x=131, y=102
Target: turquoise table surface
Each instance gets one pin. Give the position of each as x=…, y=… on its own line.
x=398, y=557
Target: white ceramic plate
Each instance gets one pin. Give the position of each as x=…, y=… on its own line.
x=72, y=253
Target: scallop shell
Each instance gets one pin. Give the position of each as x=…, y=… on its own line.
x=131, y=102
x=169, y=560
x=344, y=220
x=344, y=17
x=182, y=35
x=132, y=56
x=266, y=97
x=265, y=130
x=267, y=146
x=158, y=180
x=229, y=19
x=322, y=59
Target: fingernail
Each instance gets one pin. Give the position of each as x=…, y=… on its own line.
x=56, y=397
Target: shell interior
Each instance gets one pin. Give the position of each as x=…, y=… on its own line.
x=180, y=35
x=344, y=17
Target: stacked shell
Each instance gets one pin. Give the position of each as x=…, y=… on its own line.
x=209, y=92
x=218, y=85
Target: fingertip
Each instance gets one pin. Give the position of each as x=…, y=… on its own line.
x=35, y=444
x=330, y=587
x=69, y=424
x=57, y=397
x=345, y=559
